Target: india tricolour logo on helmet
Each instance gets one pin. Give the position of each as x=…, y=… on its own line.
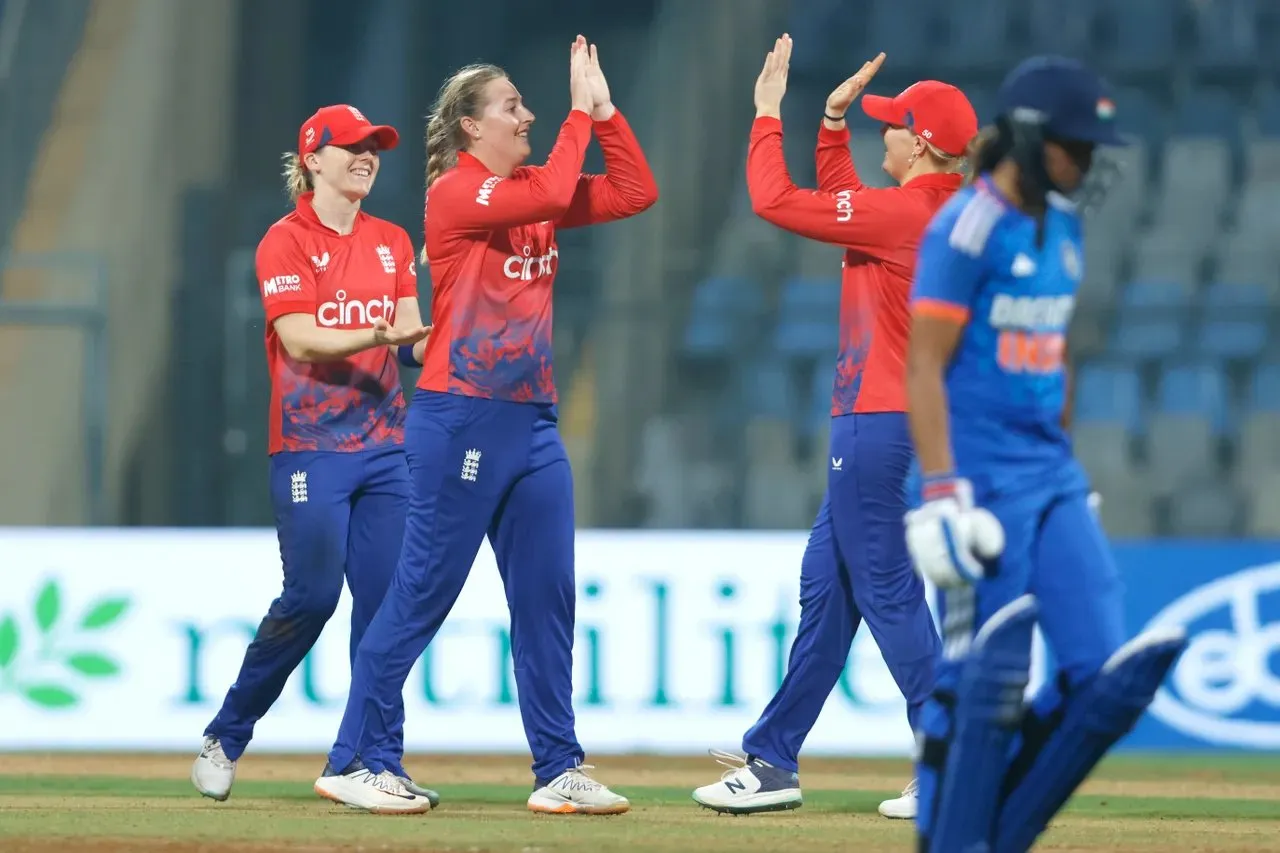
x=48, y=657
x=1106, y=109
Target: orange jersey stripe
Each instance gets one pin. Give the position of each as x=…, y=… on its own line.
x=940, y=310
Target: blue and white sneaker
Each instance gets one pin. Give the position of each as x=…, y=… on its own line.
x=750, y=785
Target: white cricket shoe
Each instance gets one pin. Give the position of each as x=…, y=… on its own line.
x=574, y=792
x=904, y=807
x=750, y=785
x=379, y=793
x=212, y=773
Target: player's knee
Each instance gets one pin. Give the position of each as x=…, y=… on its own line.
x=311, y=604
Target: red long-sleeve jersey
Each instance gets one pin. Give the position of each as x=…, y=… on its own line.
x=492, y=247
x=879, y=229
x=347, y=281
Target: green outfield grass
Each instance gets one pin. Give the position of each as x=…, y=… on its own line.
x=1218, y=804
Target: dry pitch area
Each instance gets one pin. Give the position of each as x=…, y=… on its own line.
x=109, y=803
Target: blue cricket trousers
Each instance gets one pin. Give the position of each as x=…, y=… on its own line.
x=478, y=467
x=856, y=567
x=1056, y=550
x=336, y=514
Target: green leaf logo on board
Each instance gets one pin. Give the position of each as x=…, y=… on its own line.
x=49, y=658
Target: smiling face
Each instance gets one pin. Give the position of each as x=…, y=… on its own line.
x=901, y=149
x=500, y=134
x=346, y=170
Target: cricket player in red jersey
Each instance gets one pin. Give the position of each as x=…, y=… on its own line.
x=856, y=566
x=485, y=455
x=341, y=298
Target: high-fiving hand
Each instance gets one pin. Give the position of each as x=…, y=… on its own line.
x=581, y=86
x=585, y=61
x=771, y=85
x=603, y=109
x=840, y=99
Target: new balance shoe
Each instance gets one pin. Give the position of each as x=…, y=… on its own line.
x=378, y=793
x=749, y=786
x=904, y=807
x=574, y=792
x=213, y=773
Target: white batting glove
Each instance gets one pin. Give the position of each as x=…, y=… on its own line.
x=1095, y=503
x=948, y=535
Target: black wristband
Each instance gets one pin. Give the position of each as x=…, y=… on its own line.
x=832, y=118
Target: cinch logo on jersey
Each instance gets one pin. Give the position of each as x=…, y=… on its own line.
x=486, y=190
x=1032, y=331
x=528, y=268
x=844, y=205
x=344, y=313
x=281, y=284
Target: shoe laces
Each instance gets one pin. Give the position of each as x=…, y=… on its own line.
x=912, y=789
x=735, y=761
x=388, y=782
x=213, y=751
x=576, y=779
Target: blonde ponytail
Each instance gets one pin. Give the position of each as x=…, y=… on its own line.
x=462, y=95
x=297, y=180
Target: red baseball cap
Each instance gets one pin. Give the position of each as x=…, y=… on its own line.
x=937, y=111
x=341, y=124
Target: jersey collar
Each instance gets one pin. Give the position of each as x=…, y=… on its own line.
x=470, y=161
x=950, y=180
x=307, y=214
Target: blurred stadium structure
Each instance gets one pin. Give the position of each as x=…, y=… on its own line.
x=695, y=345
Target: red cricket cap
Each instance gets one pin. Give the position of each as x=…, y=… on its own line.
x=341, y=124
x=937, y=111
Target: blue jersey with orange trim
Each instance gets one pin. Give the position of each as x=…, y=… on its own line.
x=980, y=262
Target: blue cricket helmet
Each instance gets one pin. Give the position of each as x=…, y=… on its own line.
x=1063, y=97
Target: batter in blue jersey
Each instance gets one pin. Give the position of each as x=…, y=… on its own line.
x=1004, y=527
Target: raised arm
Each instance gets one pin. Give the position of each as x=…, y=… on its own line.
x=869, y=221
x=627, y=187
x=834, y=160
x=531, y=195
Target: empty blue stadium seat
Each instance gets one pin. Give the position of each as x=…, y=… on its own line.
x=1208, y=112
x=1110, y=393
x=1232, y=337
x=767, y=389
x=1062, y=28
x=1146, y=337
x=1194, y=390
x=1153, y=293
x=722, y=307
x=818, y=411
x=977, y=42
x=1234, y=296
x=902, y=36
x=984, y=103
x=808, y=317
x=1139, y=114
x=1264, y=388
x=1269, y=114
x=1226, y=35
x=1144, y=36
